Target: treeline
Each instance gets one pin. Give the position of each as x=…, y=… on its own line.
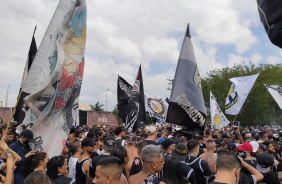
x=259, y=107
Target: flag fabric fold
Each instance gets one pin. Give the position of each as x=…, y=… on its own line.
x=218, y=119
x=21, y=107
x=55, y=78
x=123, y=95
x=239, y=90
x=135, y=111
x=276, y=93
x=186, y=105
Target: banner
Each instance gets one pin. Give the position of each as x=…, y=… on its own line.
x=135, y=111
x=217, y=117
x=276, y=93
x=238, y=93
x=123, y=95
x=21, y=107
x=186, y=105
x=55, y=78
x=157, y=108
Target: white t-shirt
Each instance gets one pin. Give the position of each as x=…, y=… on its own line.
x=72, y=164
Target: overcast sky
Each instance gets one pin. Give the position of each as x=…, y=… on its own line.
x=121, y=34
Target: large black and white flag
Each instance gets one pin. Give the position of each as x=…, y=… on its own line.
x=135, y=111
x=276, y=93
x=186, y=106
x=123, y=95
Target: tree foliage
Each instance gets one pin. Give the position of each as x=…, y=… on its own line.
x=97, y=107
x=115, y=112
x=259, y=107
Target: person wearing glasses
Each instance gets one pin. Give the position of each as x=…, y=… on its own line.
x=82, y=165
x=153, y=162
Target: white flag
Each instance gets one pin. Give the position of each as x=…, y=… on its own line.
x=55, y=78
x=157, y=108
x=276, y=93
x=238, y=93
x=218, y=119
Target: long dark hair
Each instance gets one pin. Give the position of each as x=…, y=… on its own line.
x=53, y=164
x=119, y=152
x=171, y=171
x=33, y=161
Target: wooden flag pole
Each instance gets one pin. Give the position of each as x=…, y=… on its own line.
x=13, y=113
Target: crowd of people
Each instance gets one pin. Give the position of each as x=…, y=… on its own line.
x=151, y=155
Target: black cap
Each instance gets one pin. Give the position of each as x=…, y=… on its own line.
x=167, y=142
x=109, y=143
x=181, y=152
x=27, y=134
x=263, y=147
x=225, y=136
x=87, y=142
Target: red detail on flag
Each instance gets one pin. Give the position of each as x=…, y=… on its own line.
x=67, y=83
x=59, y=103
x=81, y=69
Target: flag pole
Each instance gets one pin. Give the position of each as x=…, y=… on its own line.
x=13, y=112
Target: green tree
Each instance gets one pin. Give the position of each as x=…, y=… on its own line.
x=97, y=107
x=115, y=112
x=259, y=107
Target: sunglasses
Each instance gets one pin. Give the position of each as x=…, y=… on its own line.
x=91, y=145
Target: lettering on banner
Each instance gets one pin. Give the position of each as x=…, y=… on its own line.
x=192, y=112
x=37, y=141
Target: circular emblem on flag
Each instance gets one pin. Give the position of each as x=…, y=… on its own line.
x=156, y=106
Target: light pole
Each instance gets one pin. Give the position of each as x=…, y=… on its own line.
x=106, y=98
x=7, y=94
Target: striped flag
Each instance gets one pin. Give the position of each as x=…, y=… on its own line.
x=55, y=78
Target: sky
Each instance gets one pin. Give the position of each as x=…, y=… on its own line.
x=121, y=34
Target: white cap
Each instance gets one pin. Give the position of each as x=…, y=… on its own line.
x=255, y=145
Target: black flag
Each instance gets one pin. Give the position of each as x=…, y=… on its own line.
x=186, y=106
x=123, y=93
x=21, y=108
x=271, y=17
x=135, y=111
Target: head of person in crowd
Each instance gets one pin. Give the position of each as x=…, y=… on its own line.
x=26, y=137
x=91, y=135
x=143, y=136
x=72, y=130
x=228, y=167
x=152, y=132
x=10, y=138
x=99, y=135
x=262, y=148
x=120, y=132
x=182, y=140
x=181, y=152
x=208, y=132
x=232, y=147
x=88, y=145
x=238, y=138
x=36, y=162
x=263, y=137
x=245, y=150
x=140, y=145
x=56, y=166
x=37, y=177
x=265, y=163
x=121, y=153
x=168, y=145
x=270, y=147
x=76, y=148
x=276, y=146
x=131, y=139
x=109, y=143
x=152, y=158
x=108, y=170
x=211, y=146
x=193, y=147
x=226, y=137
x=164, y=134
x=171, y=171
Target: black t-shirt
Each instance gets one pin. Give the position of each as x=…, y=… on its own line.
x=252, y=163
x=151, y=142
x=136, y=166
x=93, y=164
x=188, y=172
x=151, y=179
x=271, y=178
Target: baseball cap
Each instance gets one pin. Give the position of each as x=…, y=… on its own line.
x=151, y=129
x=275, y=137
x=87, y=142
x=246, y=146
x=161, y=140
x=131, y=138
x=231, y=146
x=27, y=134
x=263, y=147
x=265, y=161
x=225, y=136
x=181, y=152
x=109, y=143
x=255, y=145
x=167, y=142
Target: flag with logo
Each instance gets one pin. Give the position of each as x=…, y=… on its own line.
x=123, y=93
x=135, y=111
x=218, y=119
x=186, y=106
x=55, y=78
x=21, y=107
x=276, y=93
x=157, y=108
x=240, y=88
